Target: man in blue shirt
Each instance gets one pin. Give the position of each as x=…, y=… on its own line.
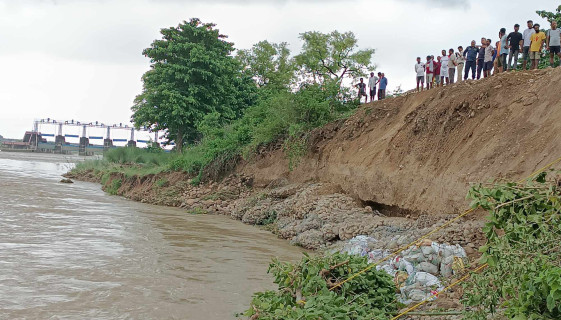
x=471, y=55
x=382, y=87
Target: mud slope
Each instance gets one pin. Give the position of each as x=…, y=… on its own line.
x=421, y=152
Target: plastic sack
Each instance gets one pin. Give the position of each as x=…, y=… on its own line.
x=428, y=267
x=427, y=280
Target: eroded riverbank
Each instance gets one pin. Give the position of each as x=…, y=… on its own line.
x=311, y=215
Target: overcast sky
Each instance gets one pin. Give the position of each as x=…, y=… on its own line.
x=81, y=59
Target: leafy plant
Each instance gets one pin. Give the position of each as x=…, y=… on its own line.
x=303, y=291
x=113, y=187
x=162, y=182
x=523, y=279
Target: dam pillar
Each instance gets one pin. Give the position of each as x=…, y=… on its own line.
x=84, y=142
x=132, y=142
x=107, y=142
x=59, y=140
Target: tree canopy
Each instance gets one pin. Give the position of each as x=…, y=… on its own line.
x=269, y=64
x=192, y=74
x=332, y=56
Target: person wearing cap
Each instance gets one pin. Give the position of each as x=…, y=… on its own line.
x=538, y=38
x=460, y=60
x=420, y=71
x=553, y=42
x=527, y=39
x=515, y=40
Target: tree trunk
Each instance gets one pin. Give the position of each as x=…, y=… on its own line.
x=179, y=140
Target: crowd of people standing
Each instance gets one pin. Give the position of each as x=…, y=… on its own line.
x=380, y=82
x=486, y=59
x=476, y=59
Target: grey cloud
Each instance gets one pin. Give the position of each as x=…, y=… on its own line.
x=464, y=4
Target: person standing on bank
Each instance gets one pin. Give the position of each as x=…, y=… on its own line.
x=372, y=81
x=362, y=90
x=429, y=67
x=515, y=40
x=452, y=64
x=538, y=38
x=489, y=51
x=471, y=56
x=383, y=85
x=481, y=57
x=420, y=71
x=553, y=42
x=461, y=60
x=527, y=38
x=444, y=68
x=504, y=48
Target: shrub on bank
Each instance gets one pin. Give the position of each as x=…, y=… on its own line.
x=304, y=291
x=523, y=279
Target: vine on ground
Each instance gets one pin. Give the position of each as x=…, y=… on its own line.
x=304, y=293
x=523, y=280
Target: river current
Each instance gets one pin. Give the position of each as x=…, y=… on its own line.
x=71, y=251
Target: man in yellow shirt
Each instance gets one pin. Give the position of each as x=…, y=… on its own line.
x=538, y=39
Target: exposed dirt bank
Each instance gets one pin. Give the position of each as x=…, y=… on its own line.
x=312, y=215
x=395, y=170
x=421, y=152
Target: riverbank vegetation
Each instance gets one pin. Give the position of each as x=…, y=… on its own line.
x=218, y=105
x=308, y=290
x=523, y=253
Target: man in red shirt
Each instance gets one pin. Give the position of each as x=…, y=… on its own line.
x=430, y=68
x=437, y=65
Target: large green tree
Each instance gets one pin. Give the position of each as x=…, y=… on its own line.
x=332, y=57
x=269, y=64
x=192, y=74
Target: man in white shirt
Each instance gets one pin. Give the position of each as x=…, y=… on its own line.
x=444, y=68
x=527, y=38
x=488, y=60
x=420, y=71
x=461, y=60
x=452, y=65
x=372, y=81
x=553, y=42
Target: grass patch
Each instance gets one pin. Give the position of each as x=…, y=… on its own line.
x=197, y=210
x=114, y=186
x=163, y=182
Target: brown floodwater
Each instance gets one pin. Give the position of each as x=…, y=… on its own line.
x=71, y=251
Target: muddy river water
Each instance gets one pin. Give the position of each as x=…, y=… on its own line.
x=70, y=251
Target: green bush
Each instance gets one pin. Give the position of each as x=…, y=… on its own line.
x=163, y=182
x=277, y=116
x=303, y=291
x=113, y=186
x=128, y=155
x=523, y=279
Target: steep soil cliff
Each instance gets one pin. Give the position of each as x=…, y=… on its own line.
x=420, y=152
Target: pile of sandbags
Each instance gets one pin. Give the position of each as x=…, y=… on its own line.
x=416, y=271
